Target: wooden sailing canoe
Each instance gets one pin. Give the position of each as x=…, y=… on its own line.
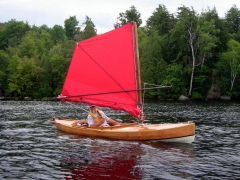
x=177, y=132
x=105, y=71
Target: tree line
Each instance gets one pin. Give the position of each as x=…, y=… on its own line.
x=195, y=53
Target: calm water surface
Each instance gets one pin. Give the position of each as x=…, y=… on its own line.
x=32, y=148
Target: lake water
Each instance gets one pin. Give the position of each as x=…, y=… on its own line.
x=32, y=148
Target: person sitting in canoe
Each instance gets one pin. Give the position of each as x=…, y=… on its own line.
x=97, y=118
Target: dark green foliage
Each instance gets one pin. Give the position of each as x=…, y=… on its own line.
x=176, y=78
x=161, y=20
x=4, y=62
x=12, y=32
x=25, y=80
x=131, y=15
x=58, y=34
x=232, y=57
x=223, y=71
x=233, y=20
x=71, y=27
x=89, y=29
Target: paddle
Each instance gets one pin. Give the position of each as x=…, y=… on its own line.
x=61, y=118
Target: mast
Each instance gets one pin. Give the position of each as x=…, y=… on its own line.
x=137, y=61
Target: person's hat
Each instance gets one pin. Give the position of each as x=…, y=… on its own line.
x=92, y=105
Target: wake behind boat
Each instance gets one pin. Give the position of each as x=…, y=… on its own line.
x=105, y=71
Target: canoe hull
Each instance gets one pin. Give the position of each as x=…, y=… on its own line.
x=180, y=132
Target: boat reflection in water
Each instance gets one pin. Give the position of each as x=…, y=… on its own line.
x=109, y=159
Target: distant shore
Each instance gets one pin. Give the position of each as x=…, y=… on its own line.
x=181, y=98
x=28, y=99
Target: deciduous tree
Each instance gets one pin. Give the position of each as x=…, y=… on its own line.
x=232, y=56
x=12, y=33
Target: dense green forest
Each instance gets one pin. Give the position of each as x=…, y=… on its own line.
x=198, y=54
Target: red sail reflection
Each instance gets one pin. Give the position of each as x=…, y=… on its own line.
x=114, y=160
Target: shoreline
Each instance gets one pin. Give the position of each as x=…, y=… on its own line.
x=28, y=99
x=161, y=100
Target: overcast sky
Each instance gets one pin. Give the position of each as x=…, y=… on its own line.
x=103, y=13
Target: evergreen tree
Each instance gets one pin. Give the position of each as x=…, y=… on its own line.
x=89, y=29
x=71, y=27
x=131, y=15
x=232, y=20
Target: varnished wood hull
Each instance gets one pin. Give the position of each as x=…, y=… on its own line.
x=180, y=132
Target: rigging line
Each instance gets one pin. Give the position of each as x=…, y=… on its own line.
x=112, y=92
x=157, y=85
x=103, y=69
x=109, y=102
x=77, y=106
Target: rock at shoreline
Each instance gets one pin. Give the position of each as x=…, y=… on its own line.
x=27, y=99
x=214, y=93
x=183, y=98
x=49, y=99
x=226, y=98
x=9, y=98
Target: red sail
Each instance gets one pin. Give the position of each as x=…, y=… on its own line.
x=103, y=72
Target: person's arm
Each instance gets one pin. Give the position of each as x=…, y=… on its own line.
x=110, y=121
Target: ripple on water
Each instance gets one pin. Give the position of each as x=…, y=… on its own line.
x=32, y=148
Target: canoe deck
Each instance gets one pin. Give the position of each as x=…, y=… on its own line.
x=178, y=132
